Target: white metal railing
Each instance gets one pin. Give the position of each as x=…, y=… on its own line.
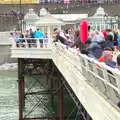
x=97, y=74
x=30, y=42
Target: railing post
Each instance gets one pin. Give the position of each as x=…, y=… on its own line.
x=13, y=42
x=26, y=43
x=60, y=101
x=117, y=76
x=38, y=43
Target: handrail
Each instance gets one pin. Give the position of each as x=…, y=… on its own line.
x=95, y=73
x=110, y=78
x=30, y=42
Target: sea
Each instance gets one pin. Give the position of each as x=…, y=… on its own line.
x=9, y=96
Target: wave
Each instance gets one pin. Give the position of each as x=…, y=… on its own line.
x=9, y=66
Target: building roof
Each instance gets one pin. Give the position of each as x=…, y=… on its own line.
x=100, y=12
x=31, y=15
x=69, y=17
x=49, y=20
x=43, y=12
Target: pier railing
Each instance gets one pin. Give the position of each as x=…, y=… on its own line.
x=96, y=85
x=31, y=48
x=101, y=77
x=30, y=42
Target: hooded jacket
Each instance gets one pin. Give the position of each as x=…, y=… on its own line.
x=95, y=49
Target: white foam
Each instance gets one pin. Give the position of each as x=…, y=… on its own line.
x=9, y=66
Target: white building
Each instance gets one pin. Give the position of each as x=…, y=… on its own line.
x=69, y=19
x=98, y=21
x=30, y=19
x=48, y=23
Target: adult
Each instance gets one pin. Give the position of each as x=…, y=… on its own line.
x=58, y=37
x=78, y=43
x=39, y=35
x=108, y=59
x=94, y=49
x=101, y=59
x=109, y=40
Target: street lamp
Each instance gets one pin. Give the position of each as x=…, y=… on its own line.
x=77, y=23
x=117, y=18
x=105, y=17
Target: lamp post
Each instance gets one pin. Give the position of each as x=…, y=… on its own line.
x=113, y=20
x=77, y=23
x=105, y=18
x=117, y=18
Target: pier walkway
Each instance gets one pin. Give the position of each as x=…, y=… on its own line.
x=96, y=85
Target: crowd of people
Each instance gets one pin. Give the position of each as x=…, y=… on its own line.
x=81, y=1
x=31, y=37
x=101, y=46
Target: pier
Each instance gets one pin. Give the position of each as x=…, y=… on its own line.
x=95, y=90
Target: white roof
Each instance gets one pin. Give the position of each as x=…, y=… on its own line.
x=100, y=12
x=31, y=15
x=69, y=17
x=43, y=12
x=49, y=20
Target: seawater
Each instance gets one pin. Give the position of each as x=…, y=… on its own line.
x=9, y=96
x=8, y=92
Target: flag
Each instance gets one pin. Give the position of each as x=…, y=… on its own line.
x=66, y=1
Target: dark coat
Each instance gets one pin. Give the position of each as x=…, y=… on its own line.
x=95, y=49
x=78, y=44
x=106, y=43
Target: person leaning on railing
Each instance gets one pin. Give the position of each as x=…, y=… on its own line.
x=77, y=43
x=39, y=35
x=17, y=38
x=101, y=59
x=57, y=37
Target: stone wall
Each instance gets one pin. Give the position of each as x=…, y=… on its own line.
x=8, y=23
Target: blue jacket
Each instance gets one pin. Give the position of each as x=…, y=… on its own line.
x=39, y=34
x=106, y=43
x=32, y=35
x=111, y=64
x=118, y=40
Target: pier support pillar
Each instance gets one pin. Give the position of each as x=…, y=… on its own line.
x=52, y=97
x=60, y=101
x=21, y=87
